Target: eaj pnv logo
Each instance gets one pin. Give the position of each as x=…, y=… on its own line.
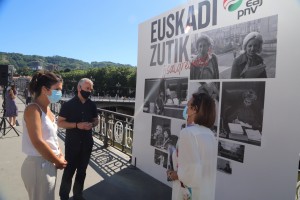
x=250, y=6
x=231, y=5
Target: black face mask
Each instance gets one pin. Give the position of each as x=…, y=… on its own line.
x=85, y=94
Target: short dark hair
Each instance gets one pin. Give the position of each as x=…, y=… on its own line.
x=43, y=78
x=168, y=131
x=206, y=109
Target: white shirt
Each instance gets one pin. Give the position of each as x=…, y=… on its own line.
x=197, y=162
x=49, y=134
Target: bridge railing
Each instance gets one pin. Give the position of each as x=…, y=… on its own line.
x=114, y=129
x=101, y=98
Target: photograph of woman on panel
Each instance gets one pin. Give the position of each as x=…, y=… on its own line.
x=204, y=64
x=242, y=111
x=250, y=64
x=253, y=42
x=166, y=138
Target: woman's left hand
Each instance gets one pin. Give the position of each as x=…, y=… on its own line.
x=172, y=175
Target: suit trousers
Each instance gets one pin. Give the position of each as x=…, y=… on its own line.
x=78, y=149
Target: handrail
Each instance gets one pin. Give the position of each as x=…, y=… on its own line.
x=114, y=129
x=67, y=96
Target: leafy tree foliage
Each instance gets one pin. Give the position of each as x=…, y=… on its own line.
x=62, y=63
x=109, y=78
x=106, y=80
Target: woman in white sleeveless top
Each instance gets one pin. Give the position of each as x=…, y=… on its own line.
x=40, y=142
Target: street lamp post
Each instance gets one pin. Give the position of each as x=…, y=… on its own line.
x=73, y=88
x=118, y=85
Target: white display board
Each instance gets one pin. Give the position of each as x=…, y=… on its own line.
x=259, y=145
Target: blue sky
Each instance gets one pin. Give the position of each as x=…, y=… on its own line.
x=90, y=30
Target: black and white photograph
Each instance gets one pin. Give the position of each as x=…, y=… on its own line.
x=166, y=96
x=213, y=90
x=224, y=166
x=204, y=63
x=172, y=147
x=161, y=158
x=171, y=151
x=242, y=109
x=232, y=151
x=245, y=50
x=160, y=128
x=164, y=133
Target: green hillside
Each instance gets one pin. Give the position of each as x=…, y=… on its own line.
x=50, y=62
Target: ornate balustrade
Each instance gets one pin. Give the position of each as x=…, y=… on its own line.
x=114, y=129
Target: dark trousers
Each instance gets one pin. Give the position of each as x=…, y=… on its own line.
x=28, y=100
x=78, y=148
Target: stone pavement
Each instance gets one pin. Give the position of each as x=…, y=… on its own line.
x=109, y=175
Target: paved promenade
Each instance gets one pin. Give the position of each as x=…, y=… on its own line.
x=109, y=175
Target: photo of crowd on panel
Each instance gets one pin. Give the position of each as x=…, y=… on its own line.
x=242, y=111
x=224, y=166
x=213, y=90
x=245, y=50
x=232, y=151
x=165, y=96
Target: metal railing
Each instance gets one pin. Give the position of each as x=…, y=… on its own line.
x=102, y=98
x=114, y=129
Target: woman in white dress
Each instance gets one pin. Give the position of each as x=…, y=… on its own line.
x=195, y=158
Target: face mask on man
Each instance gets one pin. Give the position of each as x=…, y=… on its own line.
x=85, y=94
x=55, y=96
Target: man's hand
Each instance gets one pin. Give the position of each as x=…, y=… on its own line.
x=85, y=125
